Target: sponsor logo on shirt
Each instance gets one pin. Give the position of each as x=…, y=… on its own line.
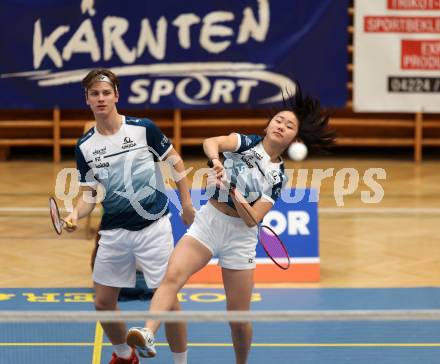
x=256, y=154
x=100, y=151
x=277, y=192
x=128, y=143
x=164, y=141
x=247, y=159
x=102, y=165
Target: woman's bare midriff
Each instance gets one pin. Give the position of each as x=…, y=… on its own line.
x=224, y=207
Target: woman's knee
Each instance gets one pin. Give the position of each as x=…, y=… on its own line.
x=175, y=278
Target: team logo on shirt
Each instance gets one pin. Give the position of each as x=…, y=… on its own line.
x=128, y=143
x=274, y=177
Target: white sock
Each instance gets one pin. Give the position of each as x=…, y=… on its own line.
x=122, y=350
x=180, y=358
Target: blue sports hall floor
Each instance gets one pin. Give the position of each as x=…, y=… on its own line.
x=339, y=342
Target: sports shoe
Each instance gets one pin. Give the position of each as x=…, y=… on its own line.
x=133, y=359
x=142, y=339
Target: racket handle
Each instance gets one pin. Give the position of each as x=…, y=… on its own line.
x=210, y=162
x=232, y=188
x=232, y=185
x=69, y=224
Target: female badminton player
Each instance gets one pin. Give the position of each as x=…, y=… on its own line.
x=222, y=228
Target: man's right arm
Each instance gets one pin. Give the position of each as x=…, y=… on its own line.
x=84, y=206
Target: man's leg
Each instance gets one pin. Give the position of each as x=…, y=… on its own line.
x=106, y=299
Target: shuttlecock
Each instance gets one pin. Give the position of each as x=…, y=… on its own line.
x=297, y=151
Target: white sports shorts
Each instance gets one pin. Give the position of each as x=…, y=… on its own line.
x=228, y=238
x=121, y=251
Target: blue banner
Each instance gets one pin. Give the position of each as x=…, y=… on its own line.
x=294, y=218
x=173, y=54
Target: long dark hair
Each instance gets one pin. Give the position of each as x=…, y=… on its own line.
x=313, y=128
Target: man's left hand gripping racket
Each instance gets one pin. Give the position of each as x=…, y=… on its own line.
x=269, y=239
x=57, y=221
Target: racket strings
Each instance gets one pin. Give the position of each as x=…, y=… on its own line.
x=274, y=247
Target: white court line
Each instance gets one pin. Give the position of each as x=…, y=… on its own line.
x=324, y=210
